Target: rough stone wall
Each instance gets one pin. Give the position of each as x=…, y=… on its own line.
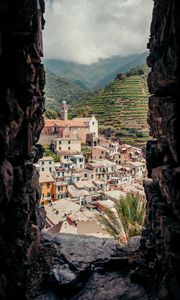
x=160, y=245
x=21, y=107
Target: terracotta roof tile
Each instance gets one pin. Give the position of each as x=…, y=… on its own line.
x=78, y=122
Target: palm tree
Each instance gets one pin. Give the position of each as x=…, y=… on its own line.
x=126, y=219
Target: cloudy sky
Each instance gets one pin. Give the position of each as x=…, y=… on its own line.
x=85, y=31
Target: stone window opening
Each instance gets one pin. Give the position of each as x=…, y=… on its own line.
x=22, y=78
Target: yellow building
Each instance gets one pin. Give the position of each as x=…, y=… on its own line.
x=48, y=189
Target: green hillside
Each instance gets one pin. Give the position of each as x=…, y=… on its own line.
x=58, y=89
x=121, y=108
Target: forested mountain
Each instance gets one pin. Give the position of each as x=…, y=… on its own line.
x=58, y=89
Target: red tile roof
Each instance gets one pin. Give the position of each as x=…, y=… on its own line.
x=77, y=122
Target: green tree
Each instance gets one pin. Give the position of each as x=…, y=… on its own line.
x=51, y=114
x=126, y=219
x=49, y=152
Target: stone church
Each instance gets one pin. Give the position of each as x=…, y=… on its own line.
x=85, y=129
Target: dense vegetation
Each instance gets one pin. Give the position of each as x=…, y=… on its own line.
x=126, y=220
x=49, y=152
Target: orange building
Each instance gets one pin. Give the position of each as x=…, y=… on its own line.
x=61, y=189
x=48, y=188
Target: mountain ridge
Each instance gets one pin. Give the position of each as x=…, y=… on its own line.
x=95, y=76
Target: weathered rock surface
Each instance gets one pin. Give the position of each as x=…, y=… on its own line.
x=160, y=249
x=80, y=267
x=22, y=105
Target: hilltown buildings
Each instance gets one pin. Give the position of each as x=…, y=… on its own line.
x=87, y=185
x=102, y=174
x=80, y=186
x=104, y=168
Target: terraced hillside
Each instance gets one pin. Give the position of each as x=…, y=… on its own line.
x=120, y=107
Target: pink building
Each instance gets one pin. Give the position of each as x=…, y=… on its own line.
x=99, y=153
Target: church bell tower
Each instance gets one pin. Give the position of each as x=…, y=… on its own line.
x=64, y=111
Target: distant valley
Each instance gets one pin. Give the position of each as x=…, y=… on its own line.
x=95, y=76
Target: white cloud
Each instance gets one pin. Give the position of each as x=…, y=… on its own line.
x=85, y=31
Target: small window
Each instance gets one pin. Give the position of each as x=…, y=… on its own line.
x=42, y=169
x=50, y=162
x=48, y=185
x=69, y=142
x=42, y=162
x=93, y=123
x=85, y=175
x=59, y=148
x=50, y=170
x=59, y=142
x=69, y=148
